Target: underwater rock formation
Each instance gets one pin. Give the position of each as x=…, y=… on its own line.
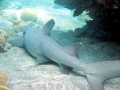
x=105, y=15
x=28, y=15
x=3, y=79
x=6, y=26
x=10, y=23
x=7, y=16
x=109, y=3
x=17, y=26
x=4, y=46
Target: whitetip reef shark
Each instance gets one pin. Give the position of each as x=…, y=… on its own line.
x=40, y=45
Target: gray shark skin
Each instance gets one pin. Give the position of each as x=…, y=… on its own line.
x=40, y=45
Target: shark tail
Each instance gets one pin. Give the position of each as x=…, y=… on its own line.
x=98, y=72
x=95, y=82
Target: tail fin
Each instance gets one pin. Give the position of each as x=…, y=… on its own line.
x=98, y=72
x=95, y=82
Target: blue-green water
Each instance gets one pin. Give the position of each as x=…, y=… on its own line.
x=20, y=67
x=47, y=10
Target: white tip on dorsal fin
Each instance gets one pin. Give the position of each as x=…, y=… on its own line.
x=48, y=26
x=72, y=48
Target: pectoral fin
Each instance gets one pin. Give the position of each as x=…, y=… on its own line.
x=42, y=59
x=16, y=41
x=65, y=69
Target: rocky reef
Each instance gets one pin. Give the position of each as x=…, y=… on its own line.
x=4, y=46
x=11, y=25
x=105, y=14
x=28, y=15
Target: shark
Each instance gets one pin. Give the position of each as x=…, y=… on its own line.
x=40, y=45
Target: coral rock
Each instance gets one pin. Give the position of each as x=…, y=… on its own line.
x=3, y=37
x=28, y=15
x=4, y=46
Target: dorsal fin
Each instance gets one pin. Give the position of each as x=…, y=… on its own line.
x=48, y=26
x=72, y=48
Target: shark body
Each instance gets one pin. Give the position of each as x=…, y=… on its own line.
x=40, y=45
